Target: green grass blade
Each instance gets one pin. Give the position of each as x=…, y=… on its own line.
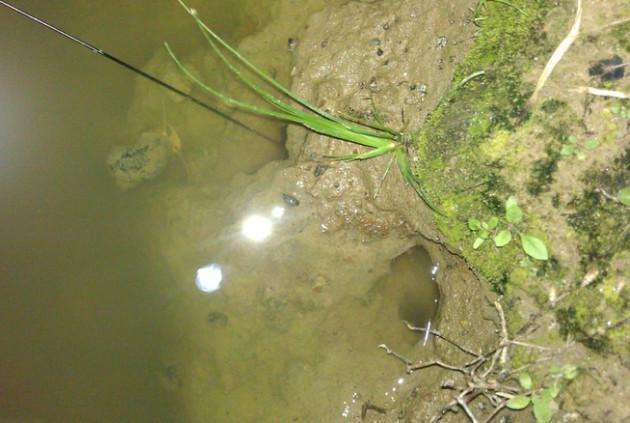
x=226, y=99
x=287, y=108
x=366, y=155
x=373, y=125
x=269, y=79
x=316, y=123
x=333, y=129
x=405, y=169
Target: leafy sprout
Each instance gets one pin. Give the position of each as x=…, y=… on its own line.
x=624, y=196
x=542, y=399
x=379, y=139
x=572, y=147
x=533, y=246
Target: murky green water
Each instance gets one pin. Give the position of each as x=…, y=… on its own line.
x=100, y=315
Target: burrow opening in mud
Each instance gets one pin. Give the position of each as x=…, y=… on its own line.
x=411, y=285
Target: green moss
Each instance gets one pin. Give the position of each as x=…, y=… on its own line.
x=523, y=356
x=595, y=315
x=470, y=129
x=542, y=172
x=495, y=148
x=519, y=276
x=556, y=122
x=622, y=34
x=597, y=219
x=552, y=105
x=580, y=322
x=466, y=146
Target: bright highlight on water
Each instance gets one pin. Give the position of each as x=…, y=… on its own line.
x=256, y=228
x=209, y=278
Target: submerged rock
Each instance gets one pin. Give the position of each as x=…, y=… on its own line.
x=142, y=161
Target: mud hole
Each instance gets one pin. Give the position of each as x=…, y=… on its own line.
x=292, y=334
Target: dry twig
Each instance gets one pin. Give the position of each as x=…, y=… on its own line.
x=486, y=375
x=557, y=55
x=600, y=92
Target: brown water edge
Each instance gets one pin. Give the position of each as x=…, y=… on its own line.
x=293, y=332
x=82, y=299
x=126, y=336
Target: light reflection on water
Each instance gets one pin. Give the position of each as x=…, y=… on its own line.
x=98, y=323
x=312, y=342
x=257, y=228
x=209, y=278
x=87, y=301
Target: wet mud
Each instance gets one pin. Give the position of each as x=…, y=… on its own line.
x=293, y=332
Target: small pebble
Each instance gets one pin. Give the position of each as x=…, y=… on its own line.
x=375, y=42
x=291, y=43
x=217, y=318
x=448, y=384
x=441, y=42
x=290, y=200
x=379, y=52
x=320, y=169
x=373, y=85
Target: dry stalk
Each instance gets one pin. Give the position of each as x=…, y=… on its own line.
x=600, y=92
x=557, y=55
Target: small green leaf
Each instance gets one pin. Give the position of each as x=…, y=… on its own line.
x=518, y=402
x=474, y=224
x=567, y=150
x=545, y=395
x=569, y=371
x=525, y=380
x=513, y=214
x=553, y=390
x=510, y=202
x=484, y=234
x=503, y=238
x=572, y=139
x=493, y=222
x=544, y=407
x=591, y=144
x=624, y=196
x=478, y=243
x=615, y=109
x=580, y=156
x=534, y=247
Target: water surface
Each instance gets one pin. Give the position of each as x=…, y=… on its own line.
x=100, y=316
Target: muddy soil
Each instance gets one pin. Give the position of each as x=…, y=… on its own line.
x=292, y=334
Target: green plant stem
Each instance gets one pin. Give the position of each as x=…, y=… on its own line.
x=209, y=33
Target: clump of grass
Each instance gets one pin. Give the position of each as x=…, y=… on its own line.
x=379, y=139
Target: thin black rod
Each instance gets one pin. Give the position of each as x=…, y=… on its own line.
x=132, y=68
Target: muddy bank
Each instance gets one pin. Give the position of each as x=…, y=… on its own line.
x=310, y=306
x=305, y=305
x=560, y=159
